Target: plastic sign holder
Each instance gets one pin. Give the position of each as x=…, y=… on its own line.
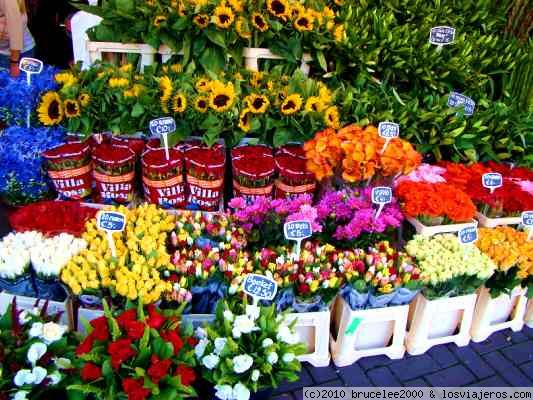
x=492, y=181
x=442, y=36
x=388, y=131
x=298, y=231
x=260, y=287
x=527, y=222
x=30, y=66
x=456, y=99
x=110, y=222
x=163, y=127
x=381, y=195
x=468, y=235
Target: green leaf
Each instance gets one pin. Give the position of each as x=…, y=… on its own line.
x=107, y=370
x=181, y=24
x=322, y=60
x=281, y=137
x=216, y=37
x=137, y=110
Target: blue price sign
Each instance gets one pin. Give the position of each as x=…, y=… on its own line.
x=388, y=130
x=111, y=221
x=468, y=235
x=456, y=99
x=297, y=230
x=442, y=35
x=527, y=219
x=492, y=180
x=30, y=65
x=162, y=126
x=260, y=287
x=381, y=195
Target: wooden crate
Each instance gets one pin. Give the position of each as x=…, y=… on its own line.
x=424, y=230
x=495, y=314
x=487, y=222
x=433, y=322
x=364, y=333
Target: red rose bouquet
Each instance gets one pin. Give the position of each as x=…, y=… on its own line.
x=138, y=354
x=253, y=171
x=293, y=177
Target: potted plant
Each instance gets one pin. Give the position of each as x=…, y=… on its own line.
x=245, y=355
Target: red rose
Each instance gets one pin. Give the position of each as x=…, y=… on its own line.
x=186, y=374
x=134, y=389
x=134, y=329
x=90, y=372
x=85, y=346
x=303, y=288
x=192, y=341
x=100, y=328
x=155, y=320
x=120, y=351
x=159, y=369
x=174, y=338
x=128, y=315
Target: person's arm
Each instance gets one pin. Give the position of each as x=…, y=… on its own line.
x=15, y=30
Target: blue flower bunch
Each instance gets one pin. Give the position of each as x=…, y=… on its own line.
x=16, y=97
x=22, y=177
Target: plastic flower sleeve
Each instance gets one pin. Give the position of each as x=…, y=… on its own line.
x=381, y=300
x=22, y=286
x=403, y=296
x=315, y=305
x=355, y=300
x=284, y=300
x=205, y=298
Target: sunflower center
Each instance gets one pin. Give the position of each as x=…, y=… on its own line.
x=278, y=7
x=202, y=104
x=179, y=102
x=201, y=20
x=221, y=100
x=224, y=18
x=303, y=21
x=259, y=21
x=71, y=108
x=53, y=109
x=289, y=105
x=258, y=103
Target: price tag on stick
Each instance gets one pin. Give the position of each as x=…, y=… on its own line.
x=111, y=221
x=260, y=287
x=388, y=131
x=163, y=127
x=492, y=181
x=381, y=195
x=456, y=99
x=30, y=66
x=527, y=221
x=298, y=231
x=442, y=36
x=468, y=235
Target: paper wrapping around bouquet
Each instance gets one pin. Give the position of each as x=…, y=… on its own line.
x=204, y=194
x=117, y=189
x=201, y=163
x=293, y=177
x=253, y=171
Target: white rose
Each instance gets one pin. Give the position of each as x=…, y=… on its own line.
x=35, y=352
x=241, y=392
x=289, y=357
x=200, y=333
x=287, y=336
x=21, y=395
x=242, y=363
x=23, y=377
x=272, y=358
x=243, y=324
x=224, y=392
x=252, y=312
x=36, y=329
x=267, y=343
x=199, y=350
x=53, y=332
x=63, y=363
x=55, y=378
x=39, y=373
x=255, y=375
x=220, y=343
x=228, y=315
x=210, y=361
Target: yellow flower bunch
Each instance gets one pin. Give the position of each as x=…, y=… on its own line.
x=141, y=256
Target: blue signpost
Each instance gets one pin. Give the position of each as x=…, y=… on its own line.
x=163, y=127
x=381, y=195
x=298, y=231
x=260, y=287
x=110, y=222
x=468, y=235
x=456, y=99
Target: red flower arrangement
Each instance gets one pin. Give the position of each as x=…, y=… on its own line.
x=435, y=203
x=139, y=353
x=253, y=171
x=293, y=177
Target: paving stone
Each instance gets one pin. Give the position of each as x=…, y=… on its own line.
x=416, y=383
x=354, y=375
x=324, y=374
x=493, y=381
x=284, y=396
x=457, y=375
x=383, y=377
x=443, y=356
x=519, y=337
x=519, y=353
x=507, y=369
x=496, y=341
x=411, y=367
x=305, y=380
x=527, y=369
x=334, y=383
x=372, y=362
x=473, y=361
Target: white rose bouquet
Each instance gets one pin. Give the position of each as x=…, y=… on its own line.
x=249, y=352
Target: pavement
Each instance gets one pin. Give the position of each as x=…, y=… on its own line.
x=504, y=359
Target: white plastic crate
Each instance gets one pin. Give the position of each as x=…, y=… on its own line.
x=28, y=303
x=364, y=333
x=487, y=222
x=313, y=329
x=529, y=314
x=433, y=322
x=434, y=230
x=252, y=55
x=495, y=314
x=87, y=315
x=197, y=320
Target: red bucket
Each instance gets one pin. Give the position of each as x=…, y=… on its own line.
x=253, y=171
x=136, y=145
x=163, y=179
x=205, y=177
x=114, y=173
x=293, y=177
x=292, y=149
x=69, y=167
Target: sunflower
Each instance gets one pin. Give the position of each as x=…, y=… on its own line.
x=66, y=79
x=236, y=5
x=165, y=85
x=257, y=103
x=222, y=96
x=201, y=20
x=278, y=8
x=245, y=120
x=223, y=17
x=201, y=104
x=179, y=103
x=158, y=20
x=257, y=79
x=126, y=68
x=339, y=2
x=297, y=10
x=72, y=108
x=339, y=33
x=314, y=104
x=259, y=22
x=50, y=109
x=328, y=13
x=135, y=91
x=242, y=28
x=84, y=99
x=118, y=82
x=332, y=117
x=292, y=104
x=178, y=5
x=203, y=85
x=325, y=94
x=304, y=22
x=176, y=68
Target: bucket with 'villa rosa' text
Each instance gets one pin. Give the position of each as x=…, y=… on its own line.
x=253, y=171
x=114, y=173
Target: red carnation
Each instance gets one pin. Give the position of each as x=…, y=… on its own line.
x=134, y=329
x=120, y=351
x=90, y=372
x=303, y=288
x=85, y=346
x=159, y=369
x=134, y=389
x=186, y=374
x=128, y=315
x=100, y=328
x=155, y=320
x=174, y=338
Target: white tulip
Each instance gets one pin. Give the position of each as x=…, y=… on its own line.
x=267, y=343
x=35, y=352
x=36, y=329
x=289, y=357
x=199, y=350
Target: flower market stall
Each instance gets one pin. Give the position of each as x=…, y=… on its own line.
x=234, y=188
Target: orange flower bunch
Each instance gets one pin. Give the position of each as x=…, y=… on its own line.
x=421, y=199
x=357, y=151
x=323, y=153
